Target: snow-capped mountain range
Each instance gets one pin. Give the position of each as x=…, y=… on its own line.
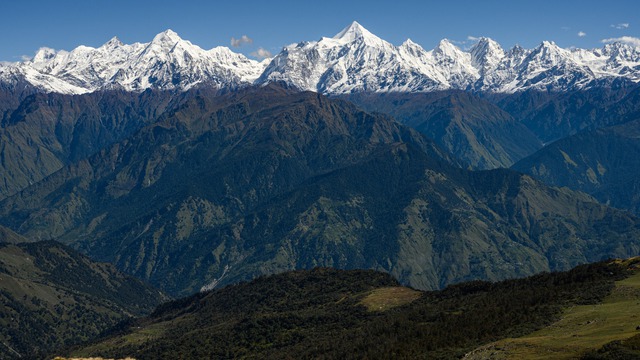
x=355, y=60
x=167, y=62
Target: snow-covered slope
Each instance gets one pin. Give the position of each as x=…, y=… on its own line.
x=355, y=60
x=167, y=62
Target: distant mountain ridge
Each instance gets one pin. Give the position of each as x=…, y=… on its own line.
x=355, y=60
x=603, y=163
x=268, y=179
x=471, y=128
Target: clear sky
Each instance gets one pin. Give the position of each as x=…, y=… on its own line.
x=27, y=25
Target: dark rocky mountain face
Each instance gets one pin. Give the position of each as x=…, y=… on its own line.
x=52, y=296
x=266, y=180
x=11, y=237
x=554, y=115
x=603, y=163
x=11, y=96
x=487, y=131
x=474, y=130
x=41, y=133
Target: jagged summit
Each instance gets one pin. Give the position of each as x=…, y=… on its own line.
x=114, y=42
x=167, y=37
x=43, y=54
x=486, y=45
x=357, y=33
x=352, y=32
x=409, y=43
x=445, y=47
x=354, y=60
x=550, y=54
x=412, y=48
x=486, y=55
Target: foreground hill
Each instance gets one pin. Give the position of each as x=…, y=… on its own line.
x=607, y=330
x=334, y=314
x=53, y=296
x=268, y=179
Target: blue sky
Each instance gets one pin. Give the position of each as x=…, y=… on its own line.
x=28, y=25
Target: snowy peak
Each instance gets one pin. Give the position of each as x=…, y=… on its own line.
x=409, y=44
x=517, y=50
x=446, y=48
x=356, y=33
x=353, y=32
x=44, y=54
x=454, y=66
x=623, y=52
x=353, y=60
x=113, y=43
x=546, y=56
x=166, y=38
x=549, y=48
x=167, y=41
x=484, y=44
x=412, y=49
x=486, y=55
x=549, y=52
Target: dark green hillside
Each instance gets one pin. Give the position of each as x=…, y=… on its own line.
x=334, y=314
x=556, y=115
x=604, y=163
x=267, y=180
x=428, y=230
x=52, y=297
x=474, y=130
x=41, y=133
x=216, y=159
x=628, y=349
x=496, y=130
